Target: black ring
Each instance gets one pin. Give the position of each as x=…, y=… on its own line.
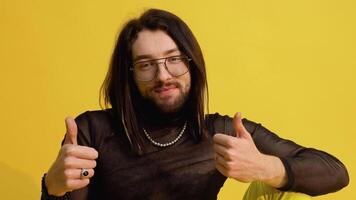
x=84, y=173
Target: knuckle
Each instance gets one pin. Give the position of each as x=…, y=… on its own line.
x=94, y=164
x=70, y=150
x=229, y=154
x=230, y=143
x=68, y=162
x=86, y=181
x=67, y=173
x=68, y=183
x=95, y=153
x=234, y=142
x=90, y=164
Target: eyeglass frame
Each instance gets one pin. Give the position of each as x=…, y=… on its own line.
x=165, y=65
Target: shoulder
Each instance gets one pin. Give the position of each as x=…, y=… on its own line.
x=95, y=118
x=95, y=124
x=217, y=123
x=104, y=114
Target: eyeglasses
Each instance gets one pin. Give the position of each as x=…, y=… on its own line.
x=147, y=70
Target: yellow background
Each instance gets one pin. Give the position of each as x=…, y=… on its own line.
x=287, y=64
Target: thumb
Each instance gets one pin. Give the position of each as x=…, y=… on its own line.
x=71, y=134
x=239, y=127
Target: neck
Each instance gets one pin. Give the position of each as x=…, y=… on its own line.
x=152, y=116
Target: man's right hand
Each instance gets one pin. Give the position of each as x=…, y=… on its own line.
x=65, y=173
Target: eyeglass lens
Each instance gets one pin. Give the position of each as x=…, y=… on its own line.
x=147, y=70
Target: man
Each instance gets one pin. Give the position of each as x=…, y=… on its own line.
x=157, y=143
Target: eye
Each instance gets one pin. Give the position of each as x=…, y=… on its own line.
x=146, y=66
x=175, y=59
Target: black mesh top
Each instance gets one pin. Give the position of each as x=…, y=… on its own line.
x=186, y=170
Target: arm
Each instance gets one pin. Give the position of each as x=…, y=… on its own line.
x=309, y=170
x=256, y=153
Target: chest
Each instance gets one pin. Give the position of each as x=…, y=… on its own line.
x=185, y=170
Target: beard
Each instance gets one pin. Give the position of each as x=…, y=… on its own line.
x=171, y=104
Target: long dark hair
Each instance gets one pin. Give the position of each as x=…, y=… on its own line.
x=119, y=89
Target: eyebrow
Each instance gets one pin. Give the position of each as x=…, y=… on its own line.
x=145, y=56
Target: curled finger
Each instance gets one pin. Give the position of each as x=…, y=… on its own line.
x=219, y=159
x=78, y=173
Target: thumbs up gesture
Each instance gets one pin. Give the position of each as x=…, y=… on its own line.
x=74, y=165
x=238, y=158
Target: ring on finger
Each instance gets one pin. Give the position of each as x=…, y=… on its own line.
x=84, y=173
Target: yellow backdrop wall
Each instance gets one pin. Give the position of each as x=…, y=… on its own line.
x=290, y=65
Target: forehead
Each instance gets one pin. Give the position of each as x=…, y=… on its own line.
x=152, y=43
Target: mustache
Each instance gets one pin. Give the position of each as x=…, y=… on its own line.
x=161, y=84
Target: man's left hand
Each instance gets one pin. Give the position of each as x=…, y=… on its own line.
x=238, y=158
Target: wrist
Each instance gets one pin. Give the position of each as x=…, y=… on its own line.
x=46, y=195
x=273, y=173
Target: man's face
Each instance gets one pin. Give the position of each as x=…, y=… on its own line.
x=167, y=92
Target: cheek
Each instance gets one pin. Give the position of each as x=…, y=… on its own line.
x=187, y=81
x=143, y=87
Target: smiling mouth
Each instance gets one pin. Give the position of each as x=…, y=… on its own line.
x=165, y=91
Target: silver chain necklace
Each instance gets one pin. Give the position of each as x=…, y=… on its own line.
x=168, y=143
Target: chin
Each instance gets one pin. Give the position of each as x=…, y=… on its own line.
x=169, y=108
x=169, y=105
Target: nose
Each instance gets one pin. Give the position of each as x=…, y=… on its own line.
x=162, y=72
